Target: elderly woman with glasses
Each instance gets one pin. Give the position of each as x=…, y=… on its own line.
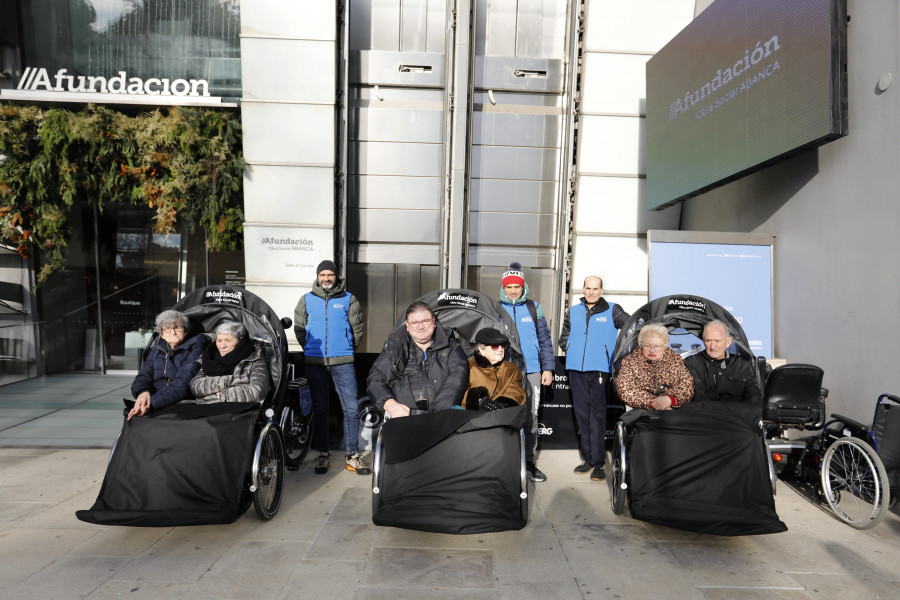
x=653, y=376
x=165, y=376
x=493, y=382
x=233, y=369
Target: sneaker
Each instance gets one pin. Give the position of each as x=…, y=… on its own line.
x=356, y=463
x=322, y=462
x=582, y=469
x=598, y=474
x=534, y=473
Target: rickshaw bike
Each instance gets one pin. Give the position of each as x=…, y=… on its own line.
x=455, y=471
x=192, y=463
x=734, y=498
x=703, y=467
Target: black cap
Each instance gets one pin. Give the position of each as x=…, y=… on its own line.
x=491, y=337
x=326, y=265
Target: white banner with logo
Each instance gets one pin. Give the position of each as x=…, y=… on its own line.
x=286, y=254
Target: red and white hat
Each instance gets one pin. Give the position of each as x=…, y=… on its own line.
x=514, y=275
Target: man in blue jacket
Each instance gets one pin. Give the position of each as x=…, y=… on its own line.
x=588, y=338
x=329, y=325
x=537, y=347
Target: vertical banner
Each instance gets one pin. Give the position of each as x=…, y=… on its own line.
x=737, y=276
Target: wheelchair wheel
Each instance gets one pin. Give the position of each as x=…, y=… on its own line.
x=854, y=483
x=523, y=478
x=113, y=449
x=267, y=477
x=377, y=466
x=297, y=431
x=619, y=470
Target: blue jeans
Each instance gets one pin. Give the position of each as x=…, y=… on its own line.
x=344, y=377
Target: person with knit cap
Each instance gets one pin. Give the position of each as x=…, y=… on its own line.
x=328, y=323
x=537, y=348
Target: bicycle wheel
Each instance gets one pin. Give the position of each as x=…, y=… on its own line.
x=297, y=431
x=619, y=470
x=854, y=483
x=267, y=477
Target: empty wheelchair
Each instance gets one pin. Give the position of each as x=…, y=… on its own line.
x=839, y=462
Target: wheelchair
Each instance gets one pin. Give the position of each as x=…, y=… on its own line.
x=839, y=463
x=197, y=463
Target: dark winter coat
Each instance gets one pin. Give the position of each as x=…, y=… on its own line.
x=446, y=370
x=731, y=379
x=167, y=372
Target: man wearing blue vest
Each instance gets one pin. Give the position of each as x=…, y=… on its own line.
x=328, y=324
x=588, y=338
x=537, y=348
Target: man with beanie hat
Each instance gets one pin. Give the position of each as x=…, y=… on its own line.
x=588, y=338
x=328, y=324
x=537, y=347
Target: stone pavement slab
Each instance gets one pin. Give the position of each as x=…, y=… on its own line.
x=54, y=440
x=323, y=544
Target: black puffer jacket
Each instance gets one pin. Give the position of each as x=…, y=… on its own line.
x=167, y=372
x=446, y=367
x=731, y=379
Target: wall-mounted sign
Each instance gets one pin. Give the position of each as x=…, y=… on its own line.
x=39, y=84
x=39, y=80
x=732, y=269
x=285, y=254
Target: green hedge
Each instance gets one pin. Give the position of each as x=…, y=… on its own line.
x=185, y=163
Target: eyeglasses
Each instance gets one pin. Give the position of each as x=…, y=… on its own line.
x=172, y=329
x=653, y=347
x=420, y=324
x=496, y=347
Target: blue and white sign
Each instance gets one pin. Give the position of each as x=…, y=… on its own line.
x=735, y=276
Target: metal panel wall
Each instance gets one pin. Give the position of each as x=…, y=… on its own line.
x=517, y=137
x=395, y=130
x=404, y=176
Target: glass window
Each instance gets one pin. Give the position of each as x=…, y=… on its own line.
x=165, y=39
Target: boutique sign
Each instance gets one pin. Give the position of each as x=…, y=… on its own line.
x=37, y=83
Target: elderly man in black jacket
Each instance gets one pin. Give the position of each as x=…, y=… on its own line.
x=719, y=375
x=421, y=368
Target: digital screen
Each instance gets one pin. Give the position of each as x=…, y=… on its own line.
x=748, y=82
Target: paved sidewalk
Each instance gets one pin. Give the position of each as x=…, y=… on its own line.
x=322, y=543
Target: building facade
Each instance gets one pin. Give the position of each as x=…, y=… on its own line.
x=426, y=144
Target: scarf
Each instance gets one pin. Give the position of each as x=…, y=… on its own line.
x=214, y=364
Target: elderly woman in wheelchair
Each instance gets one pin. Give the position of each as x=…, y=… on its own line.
x=164, y=377
x=232, y=369
x=494, y=383
x=653, y=376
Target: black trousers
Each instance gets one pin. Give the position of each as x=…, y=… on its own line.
x=588, y=390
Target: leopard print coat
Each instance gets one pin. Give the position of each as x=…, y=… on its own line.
x=638, y=380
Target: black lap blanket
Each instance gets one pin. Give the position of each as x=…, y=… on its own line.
x=702, y=468
x=452, y=471
x=185, y=465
